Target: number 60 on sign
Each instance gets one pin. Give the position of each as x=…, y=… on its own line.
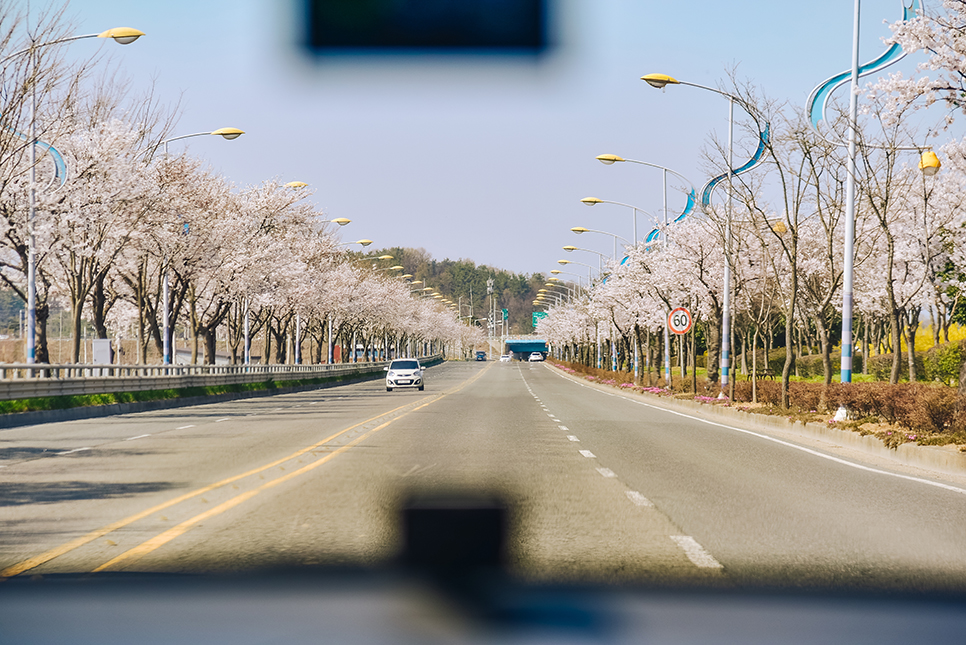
x=679, y=321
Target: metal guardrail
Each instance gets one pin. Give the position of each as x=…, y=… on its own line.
x=24, y=381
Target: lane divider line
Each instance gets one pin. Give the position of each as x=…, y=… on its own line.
x=607, y=472
x=140, y=436
x=160, y=540
x=588, y=454
x=78, y=542
x=185, y=427
x=696, y=553
x=639, y=500
x=573, y=438
x=816, y=453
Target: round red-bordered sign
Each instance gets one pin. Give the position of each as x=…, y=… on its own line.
x=679, y=321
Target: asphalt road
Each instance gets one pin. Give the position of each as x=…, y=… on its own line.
x=605, y=487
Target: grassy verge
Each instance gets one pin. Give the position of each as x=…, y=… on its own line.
x=14, y=406
x=928, y=414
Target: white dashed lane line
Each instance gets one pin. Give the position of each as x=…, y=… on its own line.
x=223, y=419
x=185, y=427
x=696, y=552
x=698, y=556
x=638, y=499
x=140, y=436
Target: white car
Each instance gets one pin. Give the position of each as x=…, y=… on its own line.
x=535, y=357
x=404, y=372
x=505, y=358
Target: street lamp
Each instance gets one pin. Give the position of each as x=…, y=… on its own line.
x=580, y=278
x=225, y=133
x=363, y=243
x=593, y=201
x=229, y=134
x=590, y=269
x=661, y=81
x=120, y=35
x=580, y=229
x=600, y=256
x=609, y=160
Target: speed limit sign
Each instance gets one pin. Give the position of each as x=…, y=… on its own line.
x=679, y=321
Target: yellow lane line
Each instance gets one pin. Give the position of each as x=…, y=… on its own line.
x=58, y=551
x=160, y=540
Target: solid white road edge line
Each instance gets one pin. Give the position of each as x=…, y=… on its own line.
x=696, y=552
x=838, y=460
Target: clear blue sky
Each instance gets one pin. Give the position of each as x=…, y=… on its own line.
x=478, y=158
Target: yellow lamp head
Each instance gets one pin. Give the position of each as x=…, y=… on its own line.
x=579, y=229
x=341, y=221
x=555, y=271
x=659, y=80
x=570, y=249
x=363, y=242
x=590, y=201
x=609, y=159
x=234, y=133
x=563, y=261
x=122, y=35
x=929, y=163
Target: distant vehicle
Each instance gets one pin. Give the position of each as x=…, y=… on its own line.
x=404, y=372
x=535, y=357
x=481, y=356
x=505, y=358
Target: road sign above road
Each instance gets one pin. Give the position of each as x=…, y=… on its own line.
x=679, y=321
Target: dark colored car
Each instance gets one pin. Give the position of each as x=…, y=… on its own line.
x=481, y=356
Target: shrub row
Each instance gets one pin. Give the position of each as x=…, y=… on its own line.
x=940, y=363
x=922, y=408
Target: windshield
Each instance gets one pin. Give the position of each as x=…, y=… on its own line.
x=736, y=349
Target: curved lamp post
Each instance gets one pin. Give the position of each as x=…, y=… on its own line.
x=661, y=81
x=228, y=134
x=225, y=133
x=593, y=201
x=363, y=243
x=608, y=160
x=590, y=269
x=120, y=35
x=581, y=229
x=601, y=257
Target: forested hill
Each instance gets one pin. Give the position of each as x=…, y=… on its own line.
x=463, y=281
